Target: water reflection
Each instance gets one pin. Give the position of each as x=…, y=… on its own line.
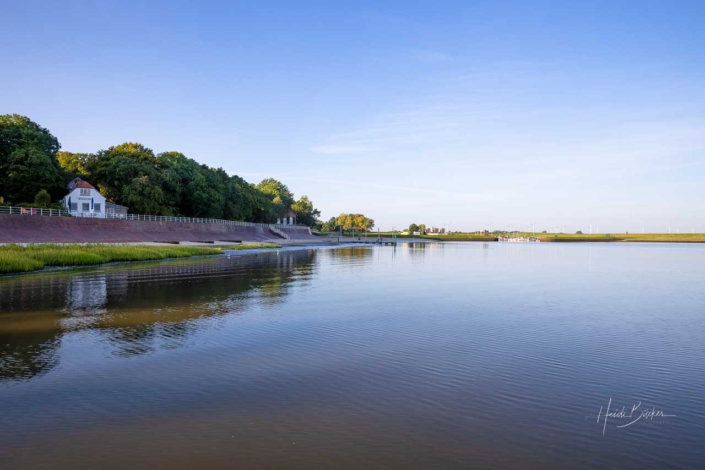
x=28, y=348
x=350, y=253
x=414, y=249
x=137, y=309
x=457, y=355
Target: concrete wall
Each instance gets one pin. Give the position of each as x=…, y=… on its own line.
x=37, y=229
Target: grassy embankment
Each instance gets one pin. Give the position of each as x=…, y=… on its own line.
x=17, y=259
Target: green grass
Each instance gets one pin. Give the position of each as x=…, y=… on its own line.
x=559, y=237
x=251, y=246
x=630, y=237
x=18, y=259
x=13, y=263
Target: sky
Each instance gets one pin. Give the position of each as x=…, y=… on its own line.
x=456, y=114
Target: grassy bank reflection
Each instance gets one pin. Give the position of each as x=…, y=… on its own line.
x=136, y=309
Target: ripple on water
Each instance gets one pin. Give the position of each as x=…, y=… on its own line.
x=443, y=356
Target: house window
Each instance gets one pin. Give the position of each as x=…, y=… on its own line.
x=86, y=207
x=74, y=206
x=96, y=207
x=85, y=192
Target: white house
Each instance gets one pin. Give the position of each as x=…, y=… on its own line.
x=84, y=200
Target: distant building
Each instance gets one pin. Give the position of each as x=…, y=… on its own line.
x=287, y=219
x=83, y=200
x=115, y=211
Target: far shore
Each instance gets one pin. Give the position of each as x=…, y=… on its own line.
x=546, y=237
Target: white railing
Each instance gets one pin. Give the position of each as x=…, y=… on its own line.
x=90, y=215
x=33, y=211
x=190, y=220
x=151, y=218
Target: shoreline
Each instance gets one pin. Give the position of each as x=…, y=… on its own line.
x=562, y=238
x=253, y=249
x=250, y=249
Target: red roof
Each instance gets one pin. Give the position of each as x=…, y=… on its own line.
x=83, y=184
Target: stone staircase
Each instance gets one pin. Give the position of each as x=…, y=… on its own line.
x=279, y=233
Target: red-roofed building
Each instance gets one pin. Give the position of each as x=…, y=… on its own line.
x=83, y=200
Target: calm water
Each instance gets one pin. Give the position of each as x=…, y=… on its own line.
x=429, y=356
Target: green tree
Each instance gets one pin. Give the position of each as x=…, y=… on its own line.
x=413, y=228
x=306, y=214
x=143, y=196
x=42, y=198
x=74, y=164
x=422, y=228
x=27, y=160
x=363, y=223
x=128, y=174
x=344, y=222
x=330, y=226
x=278, y=193
x=354, y=222
x=255, y=206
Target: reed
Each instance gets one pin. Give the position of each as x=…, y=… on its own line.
x=17, y=259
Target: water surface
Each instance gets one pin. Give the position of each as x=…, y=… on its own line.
x=421, y=356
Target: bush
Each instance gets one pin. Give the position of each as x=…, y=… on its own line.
x=42, y=198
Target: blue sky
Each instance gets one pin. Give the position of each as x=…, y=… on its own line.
x=449, y=113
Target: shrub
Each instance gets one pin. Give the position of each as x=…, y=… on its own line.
x=42, y=198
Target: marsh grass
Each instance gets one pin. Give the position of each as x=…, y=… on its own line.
x=17, y=259
x=12, y=263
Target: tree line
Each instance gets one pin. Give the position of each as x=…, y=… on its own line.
x=33, y=168
x=347, y=222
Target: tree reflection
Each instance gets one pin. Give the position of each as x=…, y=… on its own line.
x=137, y=308
x=359, y=253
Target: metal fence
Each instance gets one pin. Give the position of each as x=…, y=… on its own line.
x=153, y=218
x=191, y=220
x=33, y=211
